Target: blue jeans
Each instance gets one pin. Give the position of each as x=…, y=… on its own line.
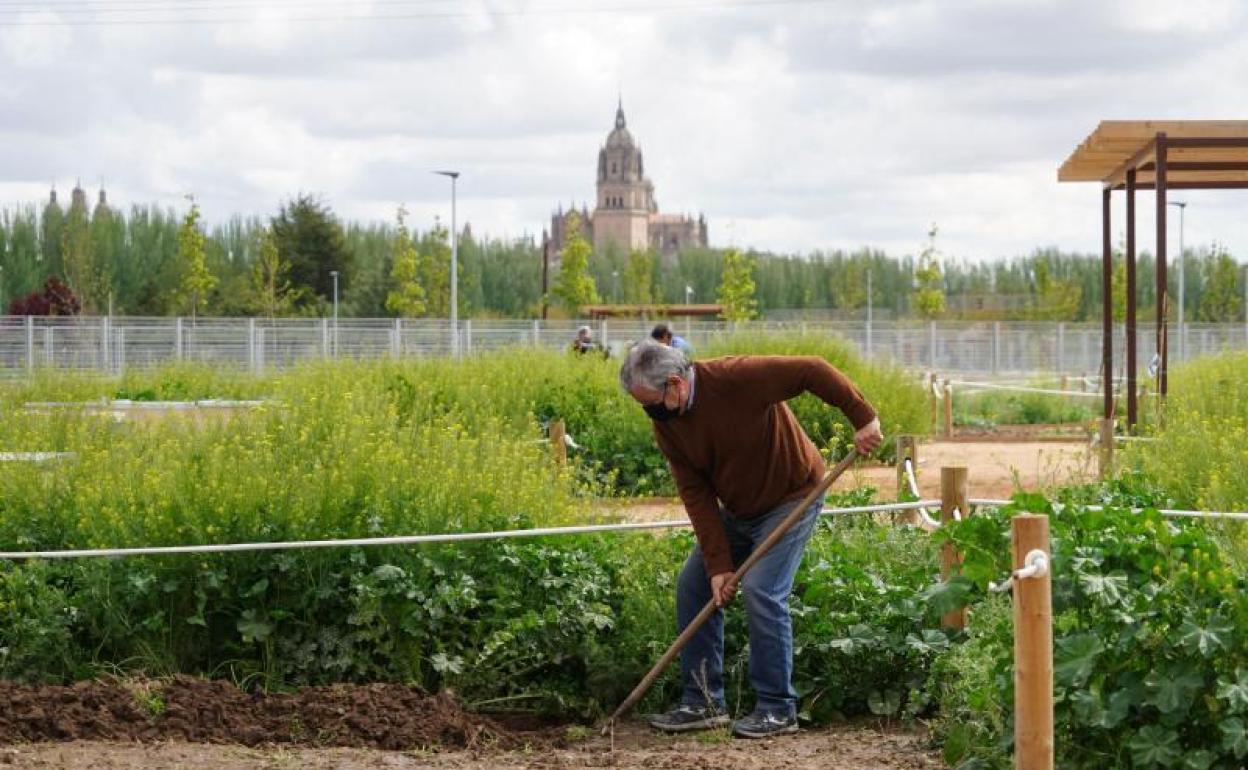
x=765, y=593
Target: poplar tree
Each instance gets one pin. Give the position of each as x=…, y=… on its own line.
x=736, y=288
x=639, y=278
x=407, y=298
x=197, y=280
x=1221, y=302
x=575, y=286
x=435, y=271
x=270, y=279
x=929, y=293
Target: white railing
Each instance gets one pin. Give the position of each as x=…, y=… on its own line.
x=984, y=348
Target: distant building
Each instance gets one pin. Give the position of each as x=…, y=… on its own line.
x=626, y=215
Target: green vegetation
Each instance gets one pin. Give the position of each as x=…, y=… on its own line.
x=1150, y=613
x=574, y=286
x=367, y=449
x=1202, y=447
x=989, y=408
x=132, y=255
x=736, y=288
x=929, y=293
x=1150, y=642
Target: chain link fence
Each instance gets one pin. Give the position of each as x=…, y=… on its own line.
x=112, y=345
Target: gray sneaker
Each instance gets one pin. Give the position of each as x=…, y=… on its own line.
x=685, y=718
x=764, y=724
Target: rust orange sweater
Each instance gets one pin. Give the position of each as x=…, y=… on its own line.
x=740, y=444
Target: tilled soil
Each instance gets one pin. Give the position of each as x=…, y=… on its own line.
x=184, y=708
x=632, y=746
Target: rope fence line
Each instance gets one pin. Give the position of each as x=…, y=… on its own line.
x=926, y=522
x=1176, y=513
x=450, y=537
x=34, y=457
x=1024, y=389
x=125, y=403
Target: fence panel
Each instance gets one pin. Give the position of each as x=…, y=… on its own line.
x=982, y=348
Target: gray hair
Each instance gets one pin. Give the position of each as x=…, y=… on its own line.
x=650, y=363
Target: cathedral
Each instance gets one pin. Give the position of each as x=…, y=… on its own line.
x=626, y=215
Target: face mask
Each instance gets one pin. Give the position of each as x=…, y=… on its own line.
x=660, y=411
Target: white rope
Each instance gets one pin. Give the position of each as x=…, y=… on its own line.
x=124, y=403
x=1021, y=389
x=34, y=457
x=451, y=537
x=1035, y=565
x=1176, y=513
x=925, y=521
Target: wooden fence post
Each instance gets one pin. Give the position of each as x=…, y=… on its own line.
x=557, y=446
x=931, y=389
x=948, y=410
x=1106, y=455
x=953, y=494
x=1033, y=650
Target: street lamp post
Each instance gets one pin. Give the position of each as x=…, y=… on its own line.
x=688, y=315
x=869, y=311
x=1182, y=205
x=454, y=176
x=334, y=274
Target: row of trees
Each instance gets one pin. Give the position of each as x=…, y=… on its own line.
x=152, y=261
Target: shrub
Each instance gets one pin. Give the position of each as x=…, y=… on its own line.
x=1149, y=644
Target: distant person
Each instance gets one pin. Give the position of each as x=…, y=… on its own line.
x=585, y=343
x=663, y=333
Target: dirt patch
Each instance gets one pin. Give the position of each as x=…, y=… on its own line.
x=383, y=716
x=634, y=746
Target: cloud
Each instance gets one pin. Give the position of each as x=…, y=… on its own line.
x=793, y=127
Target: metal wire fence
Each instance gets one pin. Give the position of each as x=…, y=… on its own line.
x=114, y=344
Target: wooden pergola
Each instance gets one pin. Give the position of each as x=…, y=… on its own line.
x=650, y=311
x=1159, y=155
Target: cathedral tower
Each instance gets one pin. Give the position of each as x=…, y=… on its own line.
x=625, y=197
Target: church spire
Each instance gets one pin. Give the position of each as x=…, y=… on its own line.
x=619, y=113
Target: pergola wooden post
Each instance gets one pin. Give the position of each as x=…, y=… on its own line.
x=1160, y=155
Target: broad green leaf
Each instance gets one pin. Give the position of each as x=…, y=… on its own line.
x=1234, y=691
x=252, y=627
x=1213, y=636
x=860, y=637
x=1172, y=690
x=1087, y=709
x=1198, y=760
x=1075, y=658
x=931, y=641
x=1234, y=736
x=948, y=595
x=443, y=663
x=1155, y=746
x=1106, y=590
x=1118, y=705
x=884, y=703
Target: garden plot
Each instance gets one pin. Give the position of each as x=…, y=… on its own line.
x=635, y=746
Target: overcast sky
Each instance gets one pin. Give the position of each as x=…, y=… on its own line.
x=793, y=126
